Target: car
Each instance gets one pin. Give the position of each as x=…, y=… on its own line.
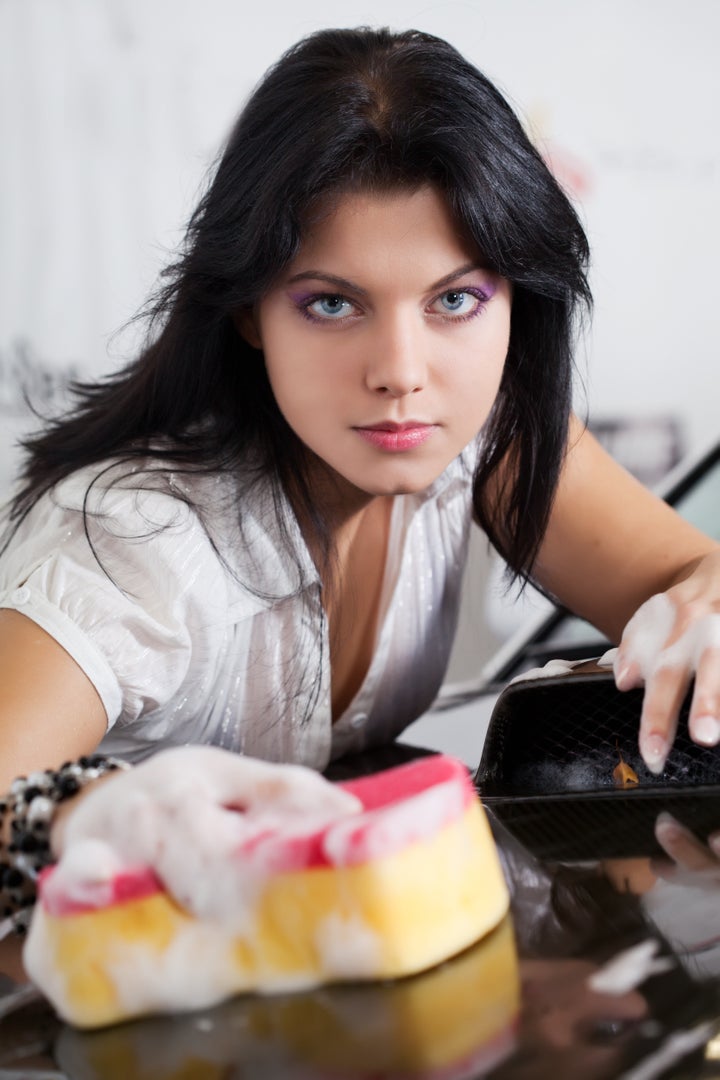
x=605, y=969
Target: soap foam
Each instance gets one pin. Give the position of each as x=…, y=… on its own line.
x=548, y=671
x=629, y=969
x=187, y=814
x=349, y=842
x=646, y=634
x=591, y=772
x=347, y=946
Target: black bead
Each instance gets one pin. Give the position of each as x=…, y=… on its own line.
x=13, y=879
x=68, y=786
x=32, y=793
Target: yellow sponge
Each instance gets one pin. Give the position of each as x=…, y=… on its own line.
x=456, y=1021
x=408, y=882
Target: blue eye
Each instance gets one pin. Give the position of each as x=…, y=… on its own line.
x=458, y=303
x=330, y=306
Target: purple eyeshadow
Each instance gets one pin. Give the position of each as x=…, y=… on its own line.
x=302, y=297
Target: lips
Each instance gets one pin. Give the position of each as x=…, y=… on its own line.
x=391, y=436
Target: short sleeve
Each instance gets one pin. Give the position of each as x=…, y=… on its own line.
x=132, y=591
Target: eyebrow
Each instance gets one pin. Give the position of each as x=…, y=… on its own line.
x=350, y=286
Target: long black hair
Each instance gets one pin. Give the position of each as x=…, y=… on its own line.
x=346, y=110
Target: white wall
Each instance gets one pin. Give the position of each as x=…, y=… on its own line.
x=110, y=111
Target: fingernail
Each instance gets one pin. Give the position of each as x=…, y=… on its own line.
x=654, y=751
x=621, y=675
x=706, y=730
x=714, y=842
x=667, y=824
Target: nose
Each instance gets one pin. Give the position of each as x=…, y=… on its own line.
x=397, y=362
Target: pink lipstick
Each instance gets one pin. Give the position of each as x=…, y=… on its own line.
x=396, y=437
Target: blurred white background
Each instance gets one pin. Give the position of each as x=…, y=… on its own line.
x=112, y=110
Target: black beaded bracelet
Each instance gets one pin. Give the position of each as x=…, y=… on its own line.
x=31, y=804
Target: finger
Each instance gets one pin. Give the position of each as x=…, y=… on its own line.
x=683, y=847
x=643, y=639
x=627, y=672
x=704, y=719
x=664, y=694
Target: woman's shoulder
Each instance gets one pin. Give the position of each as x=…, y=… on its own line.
x=138, y=497
x=243, y=518
x=132, y=483
x=114, y=512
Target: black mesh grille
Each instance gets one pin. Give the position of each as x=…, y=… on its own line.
x=547, y=771
x=567, y=734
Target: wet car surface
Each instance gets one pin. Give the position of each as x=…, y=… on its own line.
x=607, y=966
x=591, y=975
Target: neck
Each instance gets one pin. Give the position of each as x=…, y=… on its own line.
x=343, y=509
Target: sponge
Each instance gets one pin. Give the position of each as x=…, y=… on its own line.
x=455, y=1022
x=407, y=882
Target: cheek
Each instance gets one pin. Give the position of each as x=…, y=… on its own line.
x=493, y=357
x=305, y=387
x=305, y=369
x=477, y=369
x=285, y=363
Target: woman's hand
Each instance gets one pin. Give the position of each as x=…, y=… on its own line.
x=672, y=637
x=689, y=860
x=184, y=813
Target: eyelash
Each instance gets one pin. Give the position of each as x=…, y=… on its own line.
x=306, y=303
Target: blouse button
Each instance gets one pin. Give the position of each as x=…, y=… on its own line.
x=359, y=720
x=21, y=595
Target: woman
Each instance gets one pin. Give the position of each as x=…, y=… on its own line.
x=254, y=535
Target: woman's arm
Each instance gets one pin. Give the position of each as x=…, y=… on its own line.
x=611, y=543
x=611, y=546
x=49, y=710
x=50, y=713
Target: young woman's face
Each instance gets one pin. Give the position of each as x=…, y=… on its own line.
x=385, y=340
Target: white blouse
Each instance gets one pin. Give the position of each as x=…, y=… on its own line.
x=196, y=626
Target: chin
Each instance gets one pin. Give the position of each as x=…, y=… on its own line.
x=392, y=478
x=403, y=484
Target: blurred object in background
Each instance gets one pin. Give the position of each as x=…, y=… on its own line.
x=648, y=447
x=32, y=389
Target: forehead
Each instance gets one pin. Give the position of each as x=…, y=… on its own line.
x=369, y=230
